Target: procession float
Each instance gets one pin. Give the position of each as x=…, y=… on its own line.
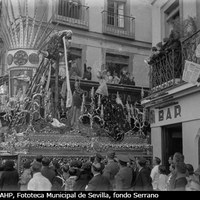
x=57, y=114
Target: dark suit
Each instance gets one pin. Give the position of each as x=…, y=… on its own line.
x=48, y=173
x=110, y=170
x=143, y=181
x=99, y=183
x=123, y=179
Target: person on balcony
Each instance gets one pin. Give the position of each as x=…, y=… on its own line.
x=87, y=73
x=124, y=79
x=116, y=79
x=109, y=77
x=103, y=88
x=74, y=70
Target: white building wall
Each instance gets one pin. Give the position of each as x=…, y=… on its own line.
x=156, y=141
x=141, y=10
x=190, y=131
x=189, y=8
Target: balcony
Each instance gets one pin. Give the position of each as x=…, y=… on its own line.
x=118, y=25
x=72, y=14
x=166, y=70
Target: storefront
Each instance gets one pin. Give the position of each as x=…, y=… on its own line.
x=175, y=123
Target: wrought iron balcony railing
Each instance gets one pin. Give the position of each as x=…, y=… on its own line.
x=118, y=25
x=72, y=14
x=166, y=70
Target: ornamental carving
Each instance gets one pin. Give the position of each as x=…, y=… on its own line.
x=20, y=58
x=33, y=58
x=9, y=59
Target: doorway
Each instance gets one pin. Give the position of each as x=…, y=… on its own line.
x=172, y=141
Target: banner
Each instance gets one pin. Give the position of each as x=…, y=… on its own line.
x=69, y=92
x=191, y=72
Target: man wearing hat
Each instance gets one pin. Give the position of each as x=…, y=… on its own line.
x=132, y=165
x=111, y=169
x=98, y=182
x=143, y=181
x=123, y=178
x=98, y=158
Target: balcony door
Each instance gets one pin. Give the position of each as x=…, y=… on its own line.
x=116, y=12
x=69, y=8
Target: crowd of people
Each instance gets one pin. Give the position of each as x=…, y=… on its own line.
x=167, y=45
x=99, y=173
x=124, y=77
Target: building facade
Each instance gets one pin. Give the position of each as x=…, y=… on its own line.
x=107, y=34
x=173, y=101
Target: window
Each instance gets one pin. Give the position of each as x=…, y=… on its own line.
x=115, y=63
x=69, y=8
x=116, y=12
x=172, y=18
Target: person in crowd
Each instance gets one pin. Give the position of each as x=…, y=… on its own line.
x=116, y=79
x=98, y=158
x=39, y=158
x=109, y=77
x=149, y=165
x=170, y=175
x=98, y=182
x=191, y=178
x=76, y=164
x=111, y=169
x=155, y=172
x=170, y=160
x=197, y=174
x=65, y=171
x=162, y=179
x=132, y=80
x=47, y=171
x=143, y=181
x=26, y=175
x=123, y=178
x=57, y=183
x=124, y=79
x=9, y=178
x=87, y=73
x=132, y=164
x=177, y=158
x=69, y=183
x=1, y=168
x=180, y=181
x=84, y=177
x=193, y=186
x=38, y=182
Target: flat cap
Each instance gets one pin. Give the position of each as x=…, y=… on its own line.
x=111, y=154
x=99, y=156
x=123, y=158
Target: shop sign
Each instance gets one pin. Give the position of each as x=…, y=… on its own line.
x=169, y=113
